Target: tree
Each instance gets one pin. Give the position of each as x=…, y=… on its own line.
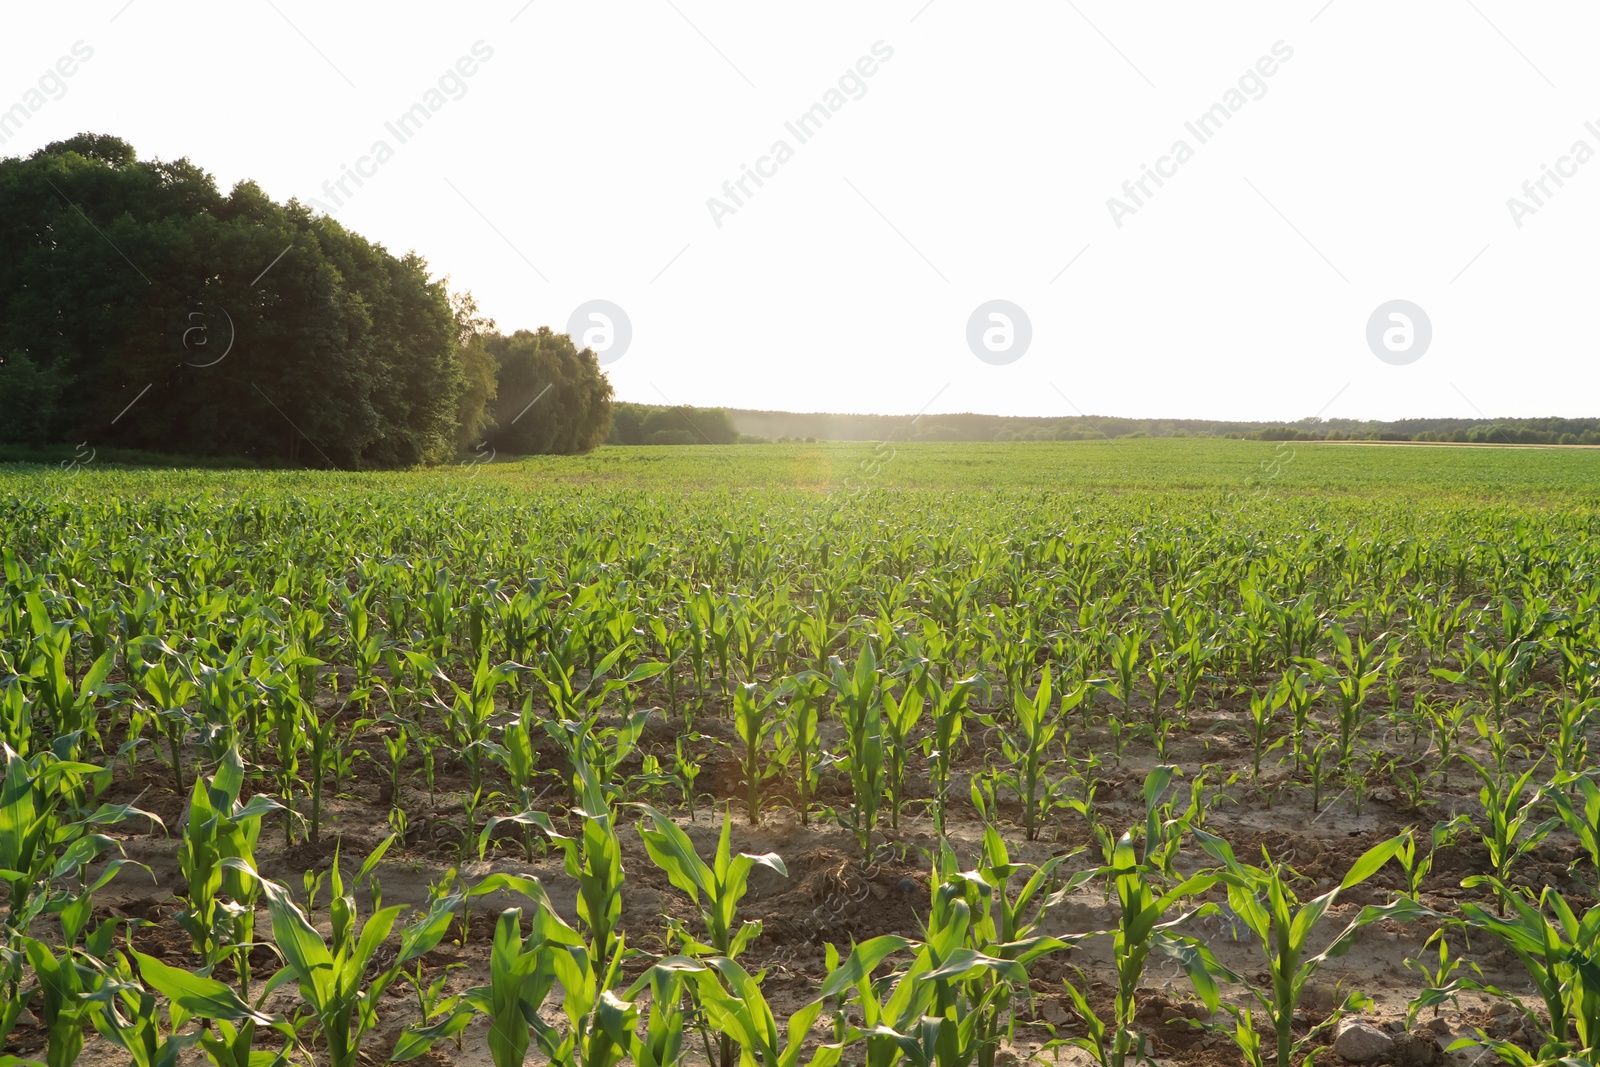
x=551, y=397
x=627, y=423
x=28, y=399
x=140, y=307
x=689, y=426
x=478, y=368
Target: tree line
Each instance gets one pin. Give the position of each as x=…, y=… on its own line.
x=141, y=308
x=652, y=424
x=754, y=425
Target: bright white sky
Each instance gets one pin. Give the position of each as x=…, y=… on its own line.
x=579, y=161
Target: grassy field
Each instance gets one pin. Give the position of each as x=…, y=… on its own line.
x=1099, y=743
x=1170, y=463
x=1485, y=473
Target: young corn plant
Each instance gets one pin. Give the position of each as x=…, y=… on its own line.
x=715, y=889
x=1570, y=746
x=949, y=1006
x=323, y=737
x=900, y=720
x=594, y=860
x=686, y=768
x=1158, y=725
x=602, y=1027
x=1561, y=953
x=1004, y=924
x=1444, y=729
x=1360, y=664
x=16, y=717
x=1316, y=764
x=220, y=827
x=1258, y=727
x=661, y=1044
x=1417, y=863
x=1294, y=686
x=521, y=976
x=396, y=745
x=858, y=704
x=139, y=1033
x=1263, y=900
x=1437, y=624
x=1577, y=665
x=734, y=1005
x=652, y=780
x=673, y=641
x=1508, y=830
x=47, y=839
x=756, y=721
x=332, y=974
x=893, y=1014
x=1038, y=721
x=39, y=886
x=948, y=711
x=952, y=1004
x=287, y=724
x=1441, y=985
x=1124, y=651
x=577, y=712
x=170, y=693
x=799, y=740
x=1191, y=669
x=67, y=984
x=1582, y=818
x=515, y=755
x=1498, y=672
x=70, y=710
x=130, y=1017
x=468, y=714
x=1148, y=920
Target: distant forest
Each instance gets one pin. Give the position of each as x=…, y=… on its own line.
x=662, y=425
x=142, y=309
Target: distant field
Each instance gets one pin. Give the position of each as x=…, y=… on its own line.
x=1164, y=463
x=1488, y=473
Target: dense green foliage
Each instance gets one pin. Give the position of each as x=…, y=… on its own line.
x=141, y=308
x=648, y=424
x=551, y=398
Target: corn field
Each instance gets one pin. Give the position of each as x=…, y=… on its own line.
x=322, y=769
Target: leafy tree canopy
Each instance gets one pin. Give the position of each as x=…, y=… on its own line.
x=141, y=308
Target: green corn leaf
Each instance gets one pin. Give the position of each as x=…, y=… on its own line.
x=202, y=997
